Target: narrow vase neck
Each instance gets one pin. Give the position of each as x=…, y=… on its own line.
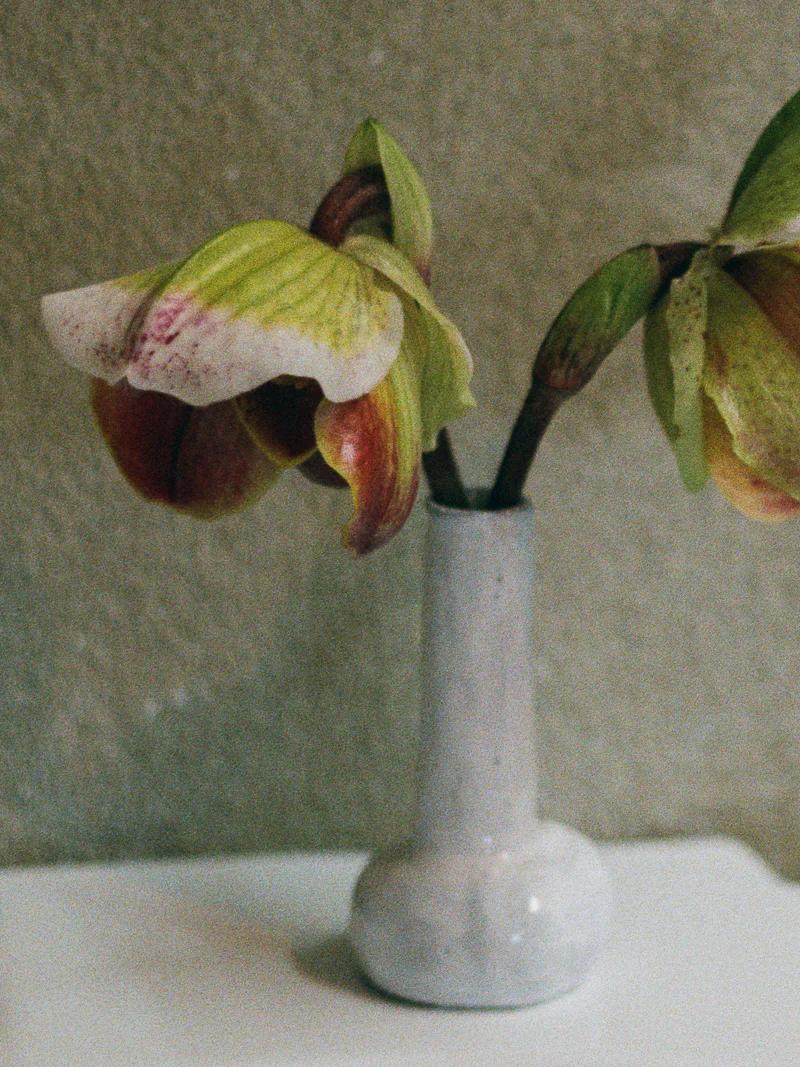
x=477, y=775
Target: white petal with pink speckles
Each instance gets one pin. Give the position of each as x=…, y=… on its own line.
x=204, y=355
x=90, y=326
x=258, y=301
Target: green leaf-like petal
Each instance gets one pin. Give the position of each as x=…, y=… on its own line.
x=685, y=320
x=765, y=203
x=258, y=301
x=659, y=368
x=412, y=225
x=597, y=316
x=753, y=377
x=446, y=364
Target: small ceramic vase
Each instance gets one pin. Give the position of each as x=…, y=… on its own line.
x=485, y=906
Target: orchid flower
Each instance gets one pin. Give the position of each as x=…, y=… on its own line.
x=723, y=345
x=722, y=341
x=268, y=348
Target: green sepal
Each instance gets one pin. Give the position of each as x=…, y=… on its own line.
x=412, y=222
x=765, y=203
x=259, y=301
x=597, y=316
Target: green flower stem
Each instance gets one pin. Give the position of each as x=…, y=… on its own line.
x=553, y=382
x=538, y=408
x=354, y=198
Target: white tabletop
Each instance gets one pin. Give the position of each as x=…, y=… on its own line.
x=241, y=962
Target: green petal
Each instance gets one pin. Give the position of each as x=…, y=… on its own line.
x=765, y=204
x=445, y=361
x=597, y=316
x=753, y=377
x=258, y=301
x=658, y=368
x=375, y=444
x=685, y=320
x=412, y=225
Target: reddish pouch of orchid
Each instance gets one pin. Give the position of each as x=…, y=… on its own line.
x=271, y=347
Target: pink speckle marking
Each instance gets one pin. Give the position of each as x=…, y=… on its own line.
x=165, y=352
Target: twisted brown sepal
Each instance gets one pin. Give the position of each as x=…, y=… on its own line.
x=363, y=442
x=316, y=470
x=355, y=197
x=590, y=325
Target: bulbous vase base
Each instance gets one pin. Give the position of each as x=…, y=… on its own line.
x=495, y=928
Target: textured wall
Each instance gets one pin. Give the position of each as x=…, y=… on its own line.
x=176, y=687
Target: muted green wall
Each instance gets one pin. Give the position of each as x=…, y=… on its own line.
x=176, y=687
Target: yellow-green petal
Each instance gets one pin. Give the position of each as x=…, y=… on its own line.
x=258, y=301
x=412, y=224
x=753, y=377
x=445, y=360
x=765, y=204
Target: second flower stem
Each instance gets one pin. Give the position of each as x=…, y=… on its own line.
x=540, y=405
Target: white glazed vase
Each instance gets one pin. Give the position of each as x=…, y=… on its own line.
x=485, y=906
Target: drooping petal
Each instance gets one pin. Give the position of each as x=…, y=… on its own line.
x=375, y=444
x=749, y=493
x=258, y=301
x=412, y=223
x=753, y=376
x=280, y=417
x=685, y=323
x=91, y=327
x=765, y=204
x=445, y=364
x=198, y=460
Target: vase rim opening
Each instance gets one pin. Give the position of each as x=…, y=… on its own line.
x=477, y=498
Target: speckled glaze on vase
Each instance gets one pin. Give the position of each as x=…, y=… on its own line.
x=485, y=906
